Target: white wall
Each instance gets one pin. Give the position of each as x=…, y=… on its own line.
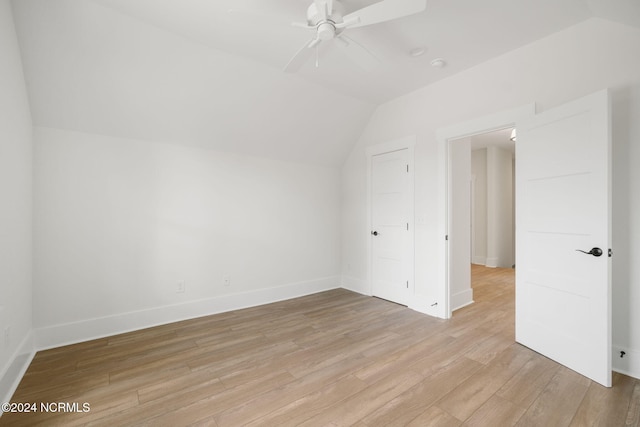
x=479, y=173
x=493, y=210
x=580, y=60
x=118, y=223
x=460, y=226
x=500, y=208
x=15, y=211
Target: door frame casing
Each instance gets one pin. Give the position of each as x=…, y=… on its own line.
x=444, y=137
x=406, y=143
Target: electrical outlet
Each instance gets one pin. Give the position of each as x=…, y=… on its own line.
x=227, y=280
x=181, y=287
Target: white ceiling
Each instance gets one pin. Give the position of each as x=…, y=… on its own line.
x=463, y=32
x=94, y=70
x=191, y=72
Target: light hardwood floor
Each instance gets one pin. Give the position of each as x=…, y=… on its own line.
x=334, y=358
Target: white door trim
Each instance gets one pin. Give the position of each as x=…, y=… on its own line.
x=407, y=143
x=444, y=136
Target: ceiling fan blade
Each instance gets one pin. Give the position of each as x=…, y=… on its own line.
x=300, y=57
x=304, y=25
x=323, y=9
x=315, y=42
x=348, y=22
x=357, y=53
x=386, y=10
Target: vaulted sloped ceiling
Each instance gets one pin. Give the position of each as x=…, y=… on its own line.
x=95, y=70
x=191, y=72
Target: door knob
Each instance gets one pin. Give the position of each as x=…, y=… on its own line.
x=375, y=233
x=594, y=251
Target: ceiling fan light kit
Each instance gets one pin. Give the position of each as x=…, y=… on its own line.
x=326, y=19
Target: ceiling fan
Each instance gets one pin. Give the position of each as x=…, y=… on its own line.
x=327, y=21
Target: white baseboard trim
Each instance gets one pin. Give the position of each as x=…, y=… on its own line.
x=491, y=262
x=629, y=364
x=480, y=260
x=356, y=285
x=16, y=368
x=461, y=299
x=89, y=329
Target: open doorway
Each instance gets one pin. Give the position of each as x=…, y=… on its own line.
x=452, y=250
x=482, y=209
x=492, y=171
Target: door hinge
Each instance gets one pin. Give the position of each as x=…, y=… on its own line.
x=407, y=168
x=446, y=237
x=407, y=284
x=407, y=226
x=610, y=253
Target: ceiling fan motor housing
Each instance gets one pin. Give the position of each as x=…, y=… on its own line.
x=326, y=31
x=325, y=21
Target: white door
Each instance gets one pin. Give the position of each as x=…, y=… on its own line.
x=563, y=296
x=390, y=239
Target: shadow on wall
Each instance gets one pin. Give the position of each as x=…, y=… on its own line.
x=625, y=187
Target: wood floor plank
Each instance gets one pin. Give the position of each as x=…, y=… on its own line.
x=465, y=399
x=331, y=354
x=67, y=387
x=356, y=407
x=486, y=350
x=527, y=384
x=275, y=354
x=602, y=406
x=411, y=403
x=495, y=412
x=202, y=408
x=332, y=358
x=165, y=404
x=633, y=413
x=312, y=404
x=265, y=403
x=557, y=403
x=407, y=355
x=174, y=385
x=434, y=417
